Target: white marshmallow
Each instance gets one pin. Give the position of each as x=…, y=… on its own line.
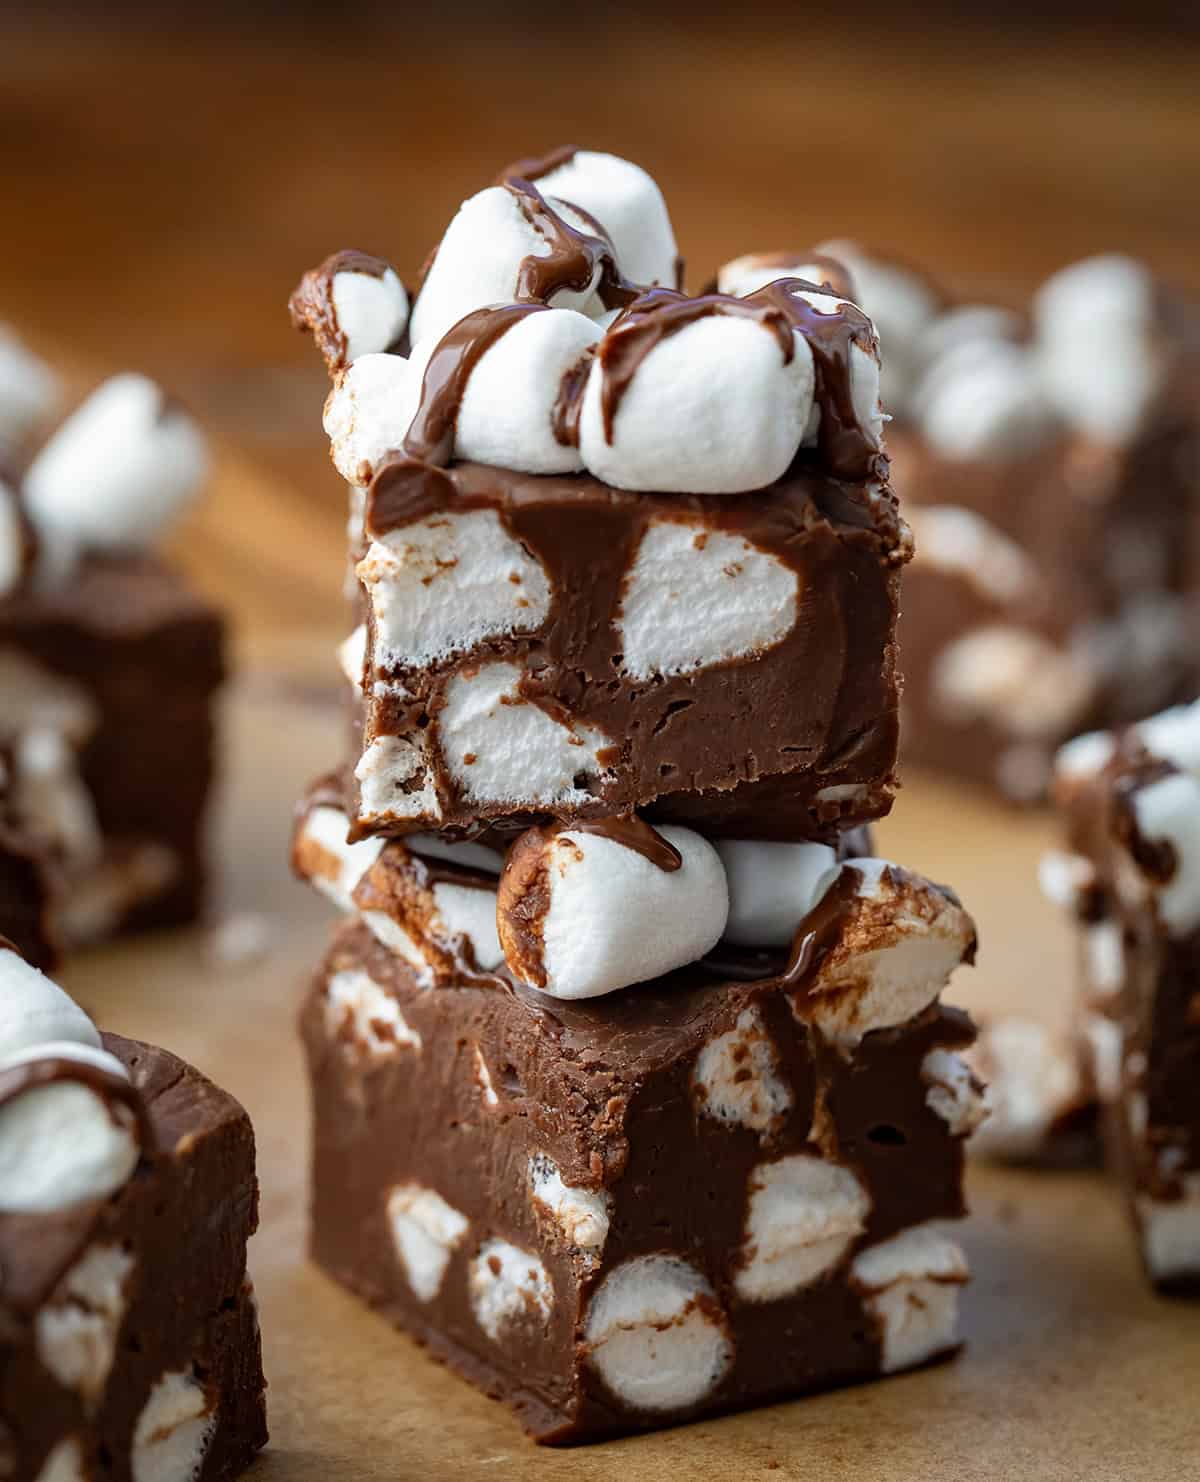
x=33, y=1010
x=966, y=324
x=478, y=262
x=76, y=1336
x=1095, y=324
x=518, y=752
x=864, y=369
x=447, y=584
x=396, y=938
x=64, y=1463
x=36, y=698
x=910, y=1286
x=1105, y=1042
x=1168, y=811
x=52, y=799
x=1064, y=878
x=803, y=1215
x=352, y=656
x=985, y=400
x=628, y=204
x=173, y=1431
x=508, y=1286
x=656, y=1336
x=736, y=1077
x=465, y=852
x=963, y=544
x=61, y=1143
x=1174, y=735
x=426, y=1231
x=354, y=1000
x=324, y=857
x=712, y=409
x=1014, y=678
x=30, y=392
x=1084, y=756
x=470, y=912
x=386, y=774
x=1104, y=959
x=1170, y=1232
x=615, y=918
x=953, y=1093
x=746, y=275
x=581, y=1216
x=12, y=541
x=772, y=887
x=371, y=311
x=118, y=471
x=900, y=941
x=696, y=596
x=368, y=414
x=506, y=417
x=1033, y=1080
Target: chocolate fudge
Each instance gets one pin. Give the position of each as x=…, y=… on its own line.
x=129, y=1344
x=1050, y=465
x=633, y=1097
x=109, y=665
x=1130, y=876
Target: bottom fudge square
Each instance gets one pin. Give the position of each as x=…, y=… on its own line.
x=129, y=1343
x=710, y=1191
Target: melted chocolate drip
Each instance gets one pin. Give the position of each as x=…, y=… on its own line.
x=54, y=1070
x=568, y=405
x=633, y=833
x=821, y=929
x=573, y=258
x=534, y=166
x=311, y=305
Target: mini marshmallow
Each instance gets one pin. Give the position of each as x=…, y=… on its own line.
x=966, y=324
x=446, y=585
x=118, y=471
x=1084, y=756
x=354, y=1002
x=580, y=1215
x=900, y=940
x=478, y=262
x=746, y=275
x=387, y=773
x=322, y=856
x=910, y=1286
x=736, y=1077
x=76, y=1336
x=1174, y=735
x=12, y=542
x=30, y=392
x=628, y=204
x=1033, y=1082
x=508, y=1286
x=656, y=1335
x=961, y=543
x=370, y=309
x=1168, y=811
x=426, y=1231
x=173, y=1431
x=954, y=1093
x=352, y=656
x=1015, y=678
x=1065, y=878
x=368, y=414
x=712, y=409
x=1170, y=1233
x=1104, y=959
x=803, y=1215
x=52, y=800
x=1104, y=1040
x=612, y=917
x=506, y=417
x=772, y=887
x=985, y=400
x=501, y=748
x=34, y=1010
x=695, y=596
x=864, y=367
x=64, y=1463
x=1095, y=323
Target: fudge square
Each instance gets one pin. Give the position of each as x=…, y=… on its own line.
x=109, y=665
x=129, y=1343
x=1049, y=463
x=709, y=1191
x=1130, y=875
x=648, y=561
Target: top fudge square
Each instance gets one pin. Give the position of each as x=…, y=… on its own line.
x=565, y=613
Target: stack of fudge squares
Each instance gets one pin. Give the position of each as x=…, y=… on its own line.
x=1049, y=461
x=109, y=663
x=633, y=1096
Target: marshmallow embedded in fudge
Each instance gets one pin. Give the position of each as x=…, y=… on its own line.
x=1095, y=323
x=626, y=202
x=426, y=1231
x=1170, y=1233
x=448, y=583
x=14, y=542
x=353, y=304
x=910, y=1286
x=958, y=541
x=984, y=399
x=656, y=1334
x=772, y=887
x=508, y=1287
x=1016, y=678
x=30, y=392
x=890, y=941
x=482, y=257
x=67, y=1129
x=323, y=855
x=1166, y=815
x=1033, y=1084
x=587, y=910
x=717, y=407
x=1174, y=735
x=174, y=1430
x=803, y=1214
x=117, y=472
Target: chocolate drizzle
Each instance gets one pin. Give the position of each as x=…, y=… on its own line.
x=311, y=304
x=533, y=167
x=29, y=1075
x=574, y=256
x=631, y=832
x=821, y=929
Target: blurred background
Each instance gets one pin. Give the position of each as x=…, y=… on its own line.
x=166, y=187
